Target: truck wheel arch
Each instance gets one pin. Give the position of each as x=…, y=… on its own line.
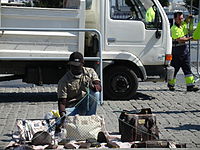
x=126, y=59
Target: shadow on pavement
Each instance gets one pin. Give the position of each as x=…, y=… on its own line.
x=166, y=90
x=138, y=96
x=50, y=96
x=176, y=112
x=7, y=140
x=141, y=96
x=28, y=97
x=185, y=127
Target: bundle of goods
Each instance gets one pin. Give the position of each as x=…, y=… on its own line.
x=138, y=126
x=140, y=129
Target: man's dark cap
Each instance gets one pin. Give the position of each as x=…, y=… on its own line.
x=76, y=59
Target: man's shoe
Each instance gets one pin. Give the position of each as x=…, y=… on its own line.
x=101, y=138
x=192, y=88
x=171, y=88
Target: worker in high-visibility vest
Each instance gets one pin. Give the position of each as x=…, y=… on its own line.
x=196, y=34
x=150, y=14
x=180, y=52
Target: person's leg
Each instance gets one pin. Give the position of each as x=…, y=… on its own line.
x=189, y=78
x=87, y=105
x=185, y=65
x=94, y=99
x=71, y=111
x=80, y=108
x=176, y=64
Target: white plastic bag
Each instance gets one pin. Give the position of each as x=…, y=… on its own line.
x=27, y=128
x=83, y=127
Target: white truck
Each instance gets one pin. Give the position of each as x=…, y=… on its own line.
x=135, y=48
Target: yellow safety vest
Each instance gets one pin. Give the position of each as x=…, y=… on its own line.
x=150, y=15
x=196, y=34
x=185, y=28
x=177, y=32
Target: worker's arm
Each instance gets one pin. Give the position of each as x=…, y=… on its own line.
x=61, y=107
x=62, y=96
x=183, y=39
x=62, y=102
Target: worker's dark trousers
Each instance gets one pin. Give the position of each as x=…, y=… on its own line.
x=181, y=59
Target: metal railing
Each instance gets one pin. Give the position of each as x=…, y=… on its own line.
x=195, y=46
x=194, y=50
x=99, y=58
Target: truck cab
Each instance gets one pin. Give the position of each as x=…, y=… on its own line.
x=136, y=43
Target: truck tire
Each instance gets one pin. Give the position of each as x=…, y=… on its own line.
x=120, y=83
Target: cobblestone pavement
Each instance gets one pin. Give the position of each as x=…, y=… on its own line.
x=178, y=112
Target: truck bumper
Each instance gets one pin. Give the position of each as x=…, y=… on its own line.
x=159, y=73
x=170, y=73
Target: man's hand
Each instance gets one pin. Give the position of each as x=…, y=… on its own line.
x=184, y=39
x=60, y=122
x=189, y=18
x=95, y=86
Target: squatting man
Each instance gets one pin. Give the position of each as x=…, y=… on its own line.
x=79, y=89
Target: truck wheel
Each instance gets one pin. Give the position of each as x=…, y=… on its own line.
x=120, y=82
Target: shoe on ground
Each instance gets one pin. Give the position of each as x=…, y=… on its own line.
x=192, y=88
x=171, y=88
x=101, y=138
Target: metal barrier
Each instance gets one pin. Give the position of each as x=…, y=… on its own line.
x=194, y=50
x=62, y=58
x=198, y=45
x=195, y=46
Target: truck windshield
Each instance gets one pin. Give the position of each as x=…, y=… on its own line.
x=143, y=10
x=88, y=4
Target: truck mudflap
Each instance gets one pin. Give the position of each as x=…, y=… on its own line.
x=170, y=73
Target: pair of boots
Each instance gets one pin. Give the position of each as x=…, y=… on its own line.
x=191, y=88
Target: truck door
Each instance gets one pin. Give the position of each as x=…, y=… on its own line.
x=131, y=26
x=133, y=33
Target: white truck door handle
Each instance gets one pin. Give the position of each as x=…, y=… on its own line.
x=111, y=40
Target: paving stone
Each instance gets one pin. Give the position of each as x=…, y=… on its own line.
x=177, y=112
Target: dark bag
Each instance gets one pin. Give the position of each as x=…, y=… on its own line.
x=151, y=144
x=41, y=138
x=158, y=144
x=138, y=126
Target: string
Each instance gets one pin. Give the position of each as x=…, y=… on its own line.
x=58, y=120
